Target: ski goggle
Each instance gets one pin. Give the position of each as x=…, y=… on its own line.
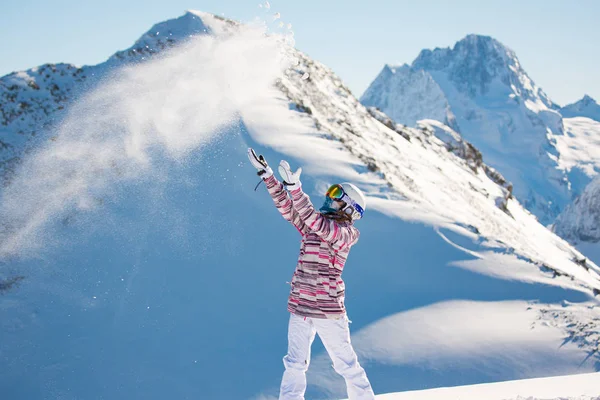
x=336, y=192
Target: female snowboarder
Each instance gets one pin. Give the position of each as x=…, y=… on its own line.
x=316, y=300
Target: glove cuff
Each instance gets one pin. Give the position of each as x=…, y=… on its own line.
x=266, y=173
x=292, y=186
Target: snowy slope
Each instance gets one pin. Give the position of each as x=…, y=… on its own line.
x=579, y=151
x=573, y=387
x=580, y=156
x=414, y=86
x=496, y=106
x=586, y=107
x=149, y=262
x=580, y=222
x=31, y=101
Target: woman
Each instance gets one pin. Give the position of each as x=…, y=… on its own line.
x=316, y=301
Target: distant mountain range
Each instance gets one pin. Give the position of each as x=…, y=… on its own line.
x=586, y=107
x=480, y=89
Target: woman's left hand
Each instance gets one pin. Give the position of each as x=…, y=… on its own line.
x=290, y=179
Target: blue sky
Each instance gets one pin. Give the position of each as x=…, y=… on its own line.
x=556, y=41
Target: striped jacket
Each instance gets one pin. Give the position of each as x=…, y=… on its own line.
x=317, y=287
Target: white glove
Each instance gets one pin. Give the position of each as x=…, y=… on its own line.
x=290, y=179
x=259, y=162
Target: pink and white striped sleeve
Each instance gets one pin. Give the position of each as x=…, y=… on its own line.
x=340, y=236
x=282, y=201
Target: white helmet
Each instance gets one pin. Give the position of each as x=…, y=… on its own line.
x=358, y=203
x=354, y=199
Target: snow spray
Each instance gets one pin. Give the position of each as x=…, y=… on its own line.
x=170, y=106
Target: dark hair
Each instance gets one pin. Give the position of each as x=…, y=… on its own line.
x=339, y=216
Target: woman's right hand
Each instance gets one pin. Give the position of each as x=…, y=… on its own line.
x=259, y=162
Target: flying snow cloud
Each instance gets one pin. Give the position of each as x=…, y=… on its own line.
x=168, y=107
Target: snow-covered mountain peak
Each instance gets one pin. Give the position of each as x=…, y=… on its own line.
x=433, y=59
x=411, y=84
x=476, y=62
x=485, y=49
x=478, y=49
x=167, y=33
x=479, y=88
x=587, y=99
x=28, y=98
x=586, y=107
x=478, y=58
x=392, y=69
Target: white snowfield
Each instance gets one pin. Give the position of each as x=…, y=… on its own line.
x=571, y=387
x=579, y=149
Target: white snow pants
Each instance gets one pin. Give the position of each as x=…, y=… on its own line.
x=335, y=335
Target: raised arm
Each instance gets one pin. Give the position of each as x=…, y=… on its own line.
x=339, y=235
x=280, y=196
x=284, y=203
